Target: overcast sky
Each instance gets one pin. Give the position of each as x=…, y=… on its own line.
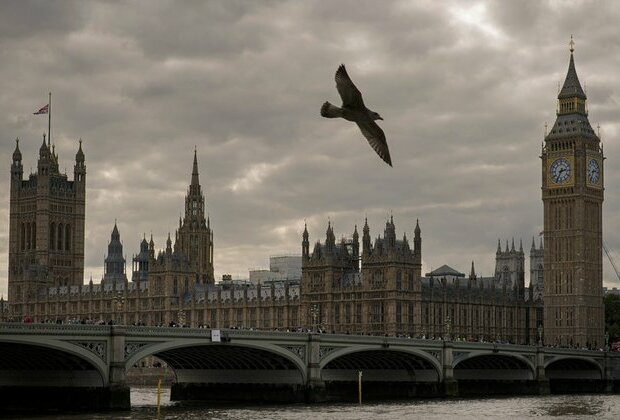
x=465, y=89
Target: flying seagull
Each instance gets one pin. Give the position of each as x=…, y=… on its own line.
x=353, y=109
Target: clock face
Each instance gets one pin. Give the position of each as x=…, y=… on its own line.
x=594, y=172
x=560, y=171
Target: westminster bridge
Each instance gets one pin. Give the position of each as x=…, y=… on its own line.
x=84, y=366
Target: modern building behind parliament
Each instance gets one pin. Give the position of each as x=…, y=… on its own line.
x=378, y=289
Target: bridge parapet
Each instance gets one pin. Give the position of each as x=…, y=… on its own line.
x=306, y=360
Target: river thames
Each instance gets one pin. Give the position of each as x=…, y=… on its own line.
x=554, y=406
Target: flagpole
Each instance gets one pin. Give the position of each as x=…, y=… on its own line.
x=49, y=120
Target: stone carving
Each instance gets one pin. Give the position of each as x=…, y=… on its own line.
x=299, y=351
x=133, y=348
x=324, y=351
x=96, y=347
x=435, y=354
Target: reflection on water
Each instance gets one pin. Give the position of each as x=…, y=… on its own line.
x=144, y=402
x=584, y=405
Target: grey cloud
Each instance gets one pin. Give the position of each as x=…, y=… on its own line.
x=142, y=83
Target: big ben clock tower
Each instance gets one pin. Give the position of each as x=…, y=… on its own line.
x=572, y=194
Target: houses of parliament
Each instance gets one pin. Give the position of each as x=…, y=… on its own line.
x=357, y=285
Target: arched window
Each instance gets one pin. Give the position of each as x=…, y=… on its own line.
x=67, y=237
x=175, y=286
x=23, y=237
x=34, y=235
x=59, y=237
x=399, y=280
x=28, y=236
x=52, y=235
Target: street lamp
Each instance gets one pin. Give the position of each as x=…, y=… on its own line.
x=181, y=317
x=606, y=340
x=119, y=300
x=540, y=331
x=314, y=311
x=448, y=327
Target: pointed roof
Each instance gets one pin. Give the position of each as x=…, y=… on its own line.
x=195, y=180
x=445, y=270
x=572, y=87
x=17, y=154
x=79, y=156
x=571, y=120
x=115, y=233
x=43, y=149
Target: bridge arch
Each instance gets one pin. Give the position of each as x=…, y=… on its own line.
x=485, y=365
x=573, y=367
x=38, y=361
x=404, y=365
x=192, y=359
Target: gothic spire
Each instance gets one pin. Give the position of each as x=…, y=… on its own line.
x=169, y=245
x=17, y=154
x=115, y=233
x=79, y=156
x=572, y=87
x=195, y=180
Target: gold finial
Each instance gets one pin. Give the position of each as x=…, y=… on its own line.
x=572, y=44
x=545, y=128
x=598, y=130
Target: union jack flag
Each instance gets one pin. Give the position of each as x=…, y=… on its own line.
x=43, y=110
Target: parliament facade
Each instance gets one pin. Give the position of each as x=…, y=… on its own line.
x=354, y=285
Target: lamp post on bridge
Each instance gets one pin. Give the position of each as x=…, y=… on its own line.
x=606, y=340
x=314, y=311
x=119, y=301
x=448, y=328
x=540, y=332
x=181, y=318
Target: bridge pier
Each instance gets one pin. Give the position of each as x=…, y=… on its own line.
x=118, y=394
x=450, y=385
x=315, y=386
x=542, y=382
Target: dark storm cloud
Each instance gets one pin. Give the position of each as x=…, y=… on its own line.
x=465, y=89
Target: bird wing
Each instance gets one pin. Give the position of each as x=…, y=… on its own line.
x=351, y=96
x=375, y=136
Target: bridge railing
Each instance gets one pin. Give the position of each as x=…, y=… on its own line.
x=67, y=329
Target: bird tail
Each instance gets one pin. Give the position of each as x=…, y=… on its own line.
x=331, y=111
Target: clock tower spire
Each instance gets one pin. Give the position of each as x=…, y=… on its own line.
x=572, y=194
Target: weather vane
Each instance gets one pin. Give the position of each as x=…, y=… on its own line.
x=571, y=43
